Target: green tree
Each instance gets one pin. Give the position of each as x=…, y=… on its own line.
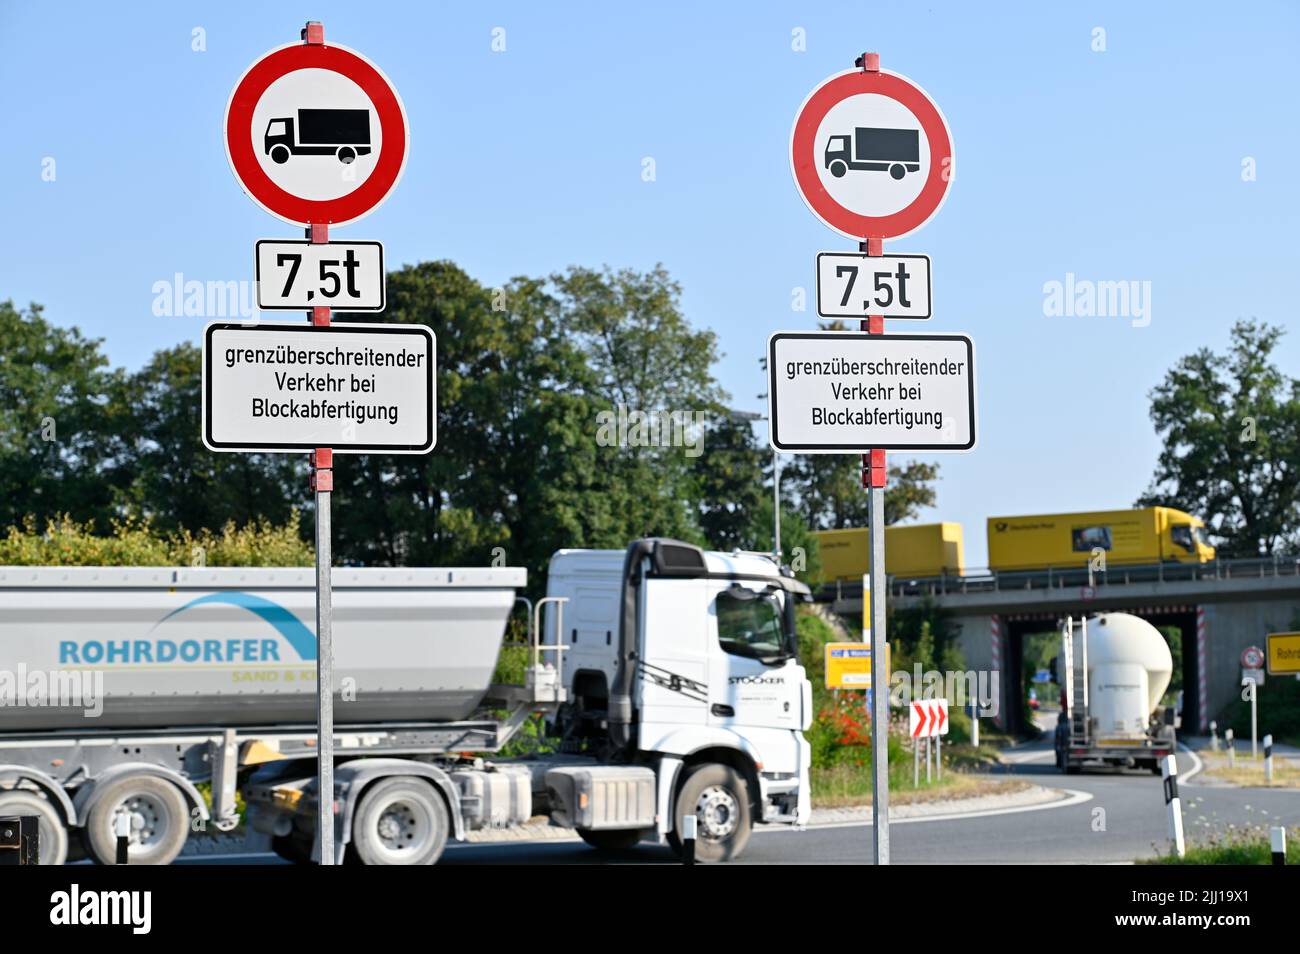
x=731, y=484
x=59, y=408
x=830, y=494
x=1231, y=430
x=174, y=480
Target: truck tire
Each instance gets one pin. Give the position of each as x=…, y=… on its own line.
x=615, y=840
x=347, y=155
x=279, y=155
x=718, y=797
x=897, y=170
x=53, y=833
x=159, y=821
x=838, y=168
x=400, y=821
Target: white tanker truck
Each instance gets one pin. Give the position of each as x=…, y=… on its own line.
x=667, y=678
x=1113, y=671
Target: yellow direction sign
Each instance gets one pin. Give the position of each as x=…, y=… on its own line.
x=848, y=665
x=1283, y=656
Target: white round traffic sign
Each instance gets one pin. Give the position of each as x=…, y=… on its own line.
x=316, y=133
x=871, y=154
x=1252, y=657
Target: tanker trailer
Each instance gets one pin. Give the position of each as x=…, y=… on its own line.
x=1113, y=670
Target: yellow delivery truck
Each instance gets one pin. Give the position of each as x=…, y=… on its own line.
x=1126, y=537
x=918, y=550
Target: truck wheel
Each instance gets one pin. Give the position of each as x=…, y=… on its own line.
x=279, y=155
x=53, y=833
x=897, y=170
x=400, y=821
x=159, y=821
x=612, y=840
x=838, y=168
x=718, y=797
x=347, y=154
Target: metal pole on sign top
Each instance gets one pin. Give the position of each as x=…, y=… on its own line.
x=873, y=480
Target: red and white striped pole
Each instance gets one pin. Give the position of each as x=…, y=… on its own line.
x=1202, y=667
x=995, y=663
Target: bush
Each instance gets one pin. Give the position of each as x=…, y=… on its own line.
x=132, y=542
x=1278, y=712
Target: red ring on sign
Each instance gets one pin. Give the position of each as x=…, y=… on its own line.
x=243, y=154
x=803, y=157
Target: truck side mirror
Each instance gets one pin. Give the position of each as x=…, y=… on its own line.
x=1051, y=669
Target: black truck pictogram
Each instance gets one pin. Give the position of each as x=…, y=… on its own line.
x=319, y=132
x=875, y=149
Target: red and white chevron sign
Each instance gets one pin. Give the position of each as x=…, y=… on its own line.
x=928, y=718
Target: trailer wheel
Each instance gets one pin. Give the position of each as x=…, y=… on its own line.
x=53, y=833
x=159, y=821
x=611, y=840
x=718, y=797
x=838, y=168
x=897, y=170
x=279, y=155
x=347, y=154
x=400, y=821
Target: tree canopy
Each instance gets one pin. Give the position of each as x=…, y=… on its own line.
x=1230, y=424
x=539, y=445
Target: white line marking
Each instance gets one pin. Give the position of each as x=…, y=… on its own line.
x=1074, y=797
x=1197, y=766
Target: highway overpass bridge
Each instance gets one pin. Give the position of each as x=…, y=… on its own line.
x=1220, y=608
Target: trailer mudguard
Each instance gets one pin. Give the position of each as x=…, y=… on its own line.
x=353, y=777
x=85, y=794
x=12, y=775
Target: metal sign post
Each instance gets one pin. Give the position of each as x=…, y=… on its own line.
x=871, y=156
x=322, y=485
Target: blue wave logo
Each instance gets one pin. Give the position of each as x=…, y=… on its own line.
x=302, y=639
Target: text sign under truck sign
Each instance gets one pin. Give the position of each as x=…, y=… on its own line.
x=358, y=388
x=835, y=393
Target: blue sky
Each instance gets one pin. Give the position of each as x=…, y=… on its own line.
x=1117, y=165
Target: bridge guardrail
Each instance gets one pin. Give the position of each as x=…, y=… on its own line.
x=984, y=580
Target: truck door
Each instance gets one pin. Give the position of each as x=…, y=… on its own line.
x=757, y=680
x=673, y=665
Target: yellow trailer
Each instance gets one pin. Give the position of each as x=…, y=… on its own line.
x=917, y=550
x=1125, y=537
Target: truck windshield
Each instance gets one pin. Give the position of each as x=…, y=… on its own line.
x=1182, y=536
x=751, y=623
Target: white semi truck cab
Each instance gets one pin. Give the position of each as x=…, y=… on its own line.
x=666, y=679
x=683, y=664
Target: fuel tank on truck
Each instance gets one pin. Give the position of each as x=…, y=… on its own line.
x=237, y=646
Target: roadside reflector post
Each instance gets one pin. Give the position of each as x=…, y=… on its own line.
x=122, y=829
x=938, y=757
x=1277, y=842
x=689, y=825
x=1268, y=759
x=975, y=725
x=1169, y=771
x=916, y=763
x=1231, y=745
x=1254, y=722
x=1214, y=736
